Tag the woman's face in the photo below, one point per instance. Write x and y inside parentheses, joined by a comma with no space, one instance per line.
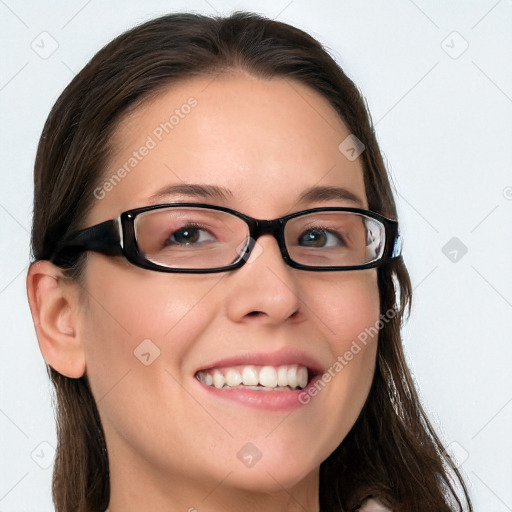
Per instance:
(146,334)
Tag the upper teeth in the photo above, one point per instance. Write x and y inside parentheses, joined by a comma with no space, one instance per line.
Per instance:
(292,376)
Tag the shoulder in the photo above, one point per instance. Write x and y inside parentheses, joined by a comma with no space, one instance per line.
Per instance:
(373,505)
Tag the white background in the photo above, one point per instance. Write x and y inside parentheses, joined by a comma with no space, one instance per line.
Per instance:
(444,122)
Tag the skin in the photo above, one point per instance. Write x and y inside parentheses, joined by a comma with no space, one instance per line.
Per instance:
(170,446)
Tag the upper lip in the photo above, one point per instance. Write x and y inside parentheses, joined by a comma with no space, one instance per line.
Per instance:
(277,358)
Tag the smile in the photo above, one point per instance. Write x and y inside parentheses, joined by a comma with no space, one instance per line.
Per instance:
(267,380)
(262,378)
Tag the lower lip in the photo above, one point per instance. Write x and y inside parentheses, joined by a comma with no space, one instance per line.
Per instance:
(268,400)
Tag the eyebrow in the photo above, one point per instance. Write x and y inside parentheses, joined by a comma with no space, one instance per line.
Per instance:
(194,190)
(327,193)
(318,193)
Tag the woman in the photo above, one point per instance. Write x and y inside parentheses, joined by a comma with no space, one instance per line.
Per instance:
(205,358)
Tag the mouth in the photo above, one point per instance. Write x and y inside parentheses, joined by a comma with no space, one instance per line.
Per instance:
(288,377)
(272,381)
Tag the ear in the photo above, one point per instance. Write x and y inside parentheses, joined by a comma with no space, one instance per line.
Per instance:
(53,301)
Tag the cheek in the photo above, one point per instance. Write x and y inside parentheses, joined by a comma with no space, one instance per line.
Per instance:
(135,318)
(352,317)
(347,308)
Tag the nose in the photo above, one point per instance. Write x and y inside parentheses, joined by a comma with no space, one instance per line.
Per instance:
(265,287)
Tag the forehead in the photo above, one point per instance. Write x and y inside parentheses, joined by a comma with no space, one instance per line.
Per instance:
(265,141)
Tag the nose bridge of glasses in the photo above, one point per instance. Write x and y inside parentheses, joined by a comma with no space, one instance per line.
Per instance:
(266,227)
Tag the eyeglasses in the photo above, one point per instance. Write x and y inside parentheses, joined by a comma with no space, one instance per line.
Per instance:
(202,238)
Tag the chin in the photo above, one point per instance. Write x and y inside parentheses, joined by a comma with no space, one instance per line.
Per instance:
(278,465)
(269,478)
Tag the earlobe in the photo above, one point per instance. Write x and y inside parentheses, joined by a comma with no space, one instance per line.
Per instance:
(53,302)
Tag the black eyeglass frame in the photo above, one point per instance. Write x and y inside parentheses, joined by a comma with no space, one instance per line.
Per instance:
(117,237)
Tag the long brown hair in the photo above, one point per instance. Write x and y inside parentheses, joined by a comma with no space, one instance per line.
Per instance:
(392,451)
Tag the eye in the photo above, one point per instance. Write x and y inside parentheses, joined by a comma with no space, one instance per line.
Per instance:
(321,237)
(189,235)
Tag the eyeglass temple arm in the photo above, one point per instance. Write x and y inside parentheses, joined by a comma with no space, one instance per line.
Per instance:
(397,246)
(104,238)
(395,249)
